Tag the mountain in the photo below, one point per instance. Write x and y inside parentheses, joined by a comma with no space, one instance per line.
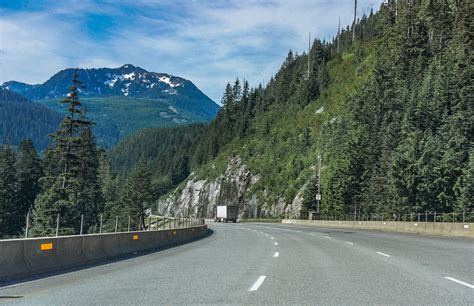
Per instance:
(390,113)
(21,119)
(125,99)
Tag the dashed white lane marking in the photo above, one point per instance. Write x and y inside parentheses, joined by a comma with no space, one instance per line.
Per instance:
(349,243)
(276,243)
(460,282)
(272,238)
(267,235)
(258,283)
(383,254)
(276,254)
(299,231)
(312,234)
(328,237)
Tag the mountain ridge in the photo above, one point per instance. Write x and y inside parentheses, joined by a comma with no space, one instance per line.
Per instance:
(126,81)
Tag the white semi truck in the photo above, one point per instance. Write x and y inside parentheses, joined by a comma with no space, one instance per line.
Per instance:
(226,213)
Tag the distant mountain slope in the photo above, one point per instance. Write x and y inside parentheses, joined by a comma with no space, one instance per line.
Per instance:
(125,99)
(20,119)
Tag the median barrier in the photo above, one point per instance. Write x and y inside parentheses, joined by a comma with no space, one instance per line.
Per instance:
(20,258)
(423,228)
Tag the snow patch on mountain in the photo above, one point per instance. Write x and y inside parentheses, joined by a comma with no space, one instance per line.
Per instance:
(167,80)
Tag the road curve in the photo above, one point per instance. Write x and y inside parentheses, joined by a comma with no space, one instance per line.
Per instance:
(254,263)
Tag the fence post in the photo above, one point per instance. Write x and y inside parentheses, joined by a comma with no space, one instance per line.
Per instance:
(101,220)
(434,217)
(463,216)
(443,218)
(426,216)
(382,217)
(453,217)
(57,226)
(129,221)
(418,217)
(27,224)
(82,222)
(116,223)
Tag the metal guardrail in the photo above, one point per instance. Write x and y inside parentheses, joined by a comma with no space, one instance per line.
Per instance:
(115,225)
(452,217)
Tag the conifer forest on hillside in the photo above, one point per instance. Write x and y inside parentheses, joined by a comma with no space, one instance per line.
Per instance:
(387,105)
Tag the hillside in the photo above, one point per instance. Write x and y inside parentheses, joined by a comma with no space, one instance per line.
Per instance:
(21,119)
(125,99)
(390,114)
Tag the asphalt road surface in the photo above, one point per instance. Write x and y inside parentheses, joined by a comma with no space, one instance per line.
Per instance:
(262,264)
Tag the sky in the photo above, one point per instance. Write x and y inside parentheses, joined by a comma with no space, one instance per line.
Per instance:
(208,42)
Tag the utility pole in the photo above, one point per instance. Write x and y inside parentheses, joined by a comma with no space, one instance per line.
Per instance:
(318,195)
(354,24)
(309,57)
(339,36)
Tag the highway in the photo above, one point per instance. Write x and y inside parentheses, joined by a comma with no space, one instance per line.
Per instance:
(261,264)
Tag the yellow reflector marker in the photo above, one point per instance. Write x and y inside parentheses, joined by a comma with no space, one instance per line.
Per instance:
(135,237)
(46,246)
(174,232)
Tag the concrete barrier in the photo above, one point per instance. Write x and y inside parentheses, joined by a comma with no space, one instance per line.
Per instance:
(20,258)
(422,228)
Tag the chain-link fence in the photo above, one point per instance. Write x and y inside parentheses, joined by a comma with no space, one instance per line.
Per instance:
(453,217)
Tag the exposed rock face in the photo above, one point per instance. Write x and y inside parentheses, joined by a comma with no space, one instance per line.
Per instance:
(199,197)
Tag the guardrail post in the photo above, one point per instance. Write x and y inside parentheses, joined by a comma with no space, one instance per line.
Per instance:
(27,224)
(101,220)
(463,216)
(82,221)
(129,221)
(453,217)
(418,217)
(116,223)
(434,217)
(426,216)
(57,226)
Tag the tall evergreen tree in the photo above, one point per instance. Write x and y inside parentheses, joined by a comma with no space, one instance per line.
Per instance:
(138,194)
(28,173)
(70,181)
(10,218)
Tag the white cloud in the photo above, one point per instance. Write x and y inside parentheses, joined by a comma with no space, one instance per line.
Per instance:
(209,43)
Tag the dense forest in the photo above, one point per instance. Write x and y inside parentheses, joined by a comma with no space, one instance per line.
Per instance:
(389,109)
(21,119)
(387,104)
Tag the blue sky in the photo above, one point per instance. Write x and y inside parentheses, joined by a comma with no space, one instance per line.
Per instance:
(208,42)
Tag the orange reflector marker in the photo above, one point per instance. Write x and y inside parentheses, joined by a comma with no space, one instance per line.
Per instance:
(46,246)
(135,237)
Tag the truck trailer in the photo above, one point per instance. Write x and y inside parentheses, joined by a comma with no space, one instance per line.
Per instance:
(226,213)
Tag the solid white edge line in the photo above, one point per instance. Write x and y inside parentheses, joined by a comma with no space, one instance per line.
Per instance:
(459,282)
(383,254)
(276,254)
(258,283)
(351,243)
(328,237)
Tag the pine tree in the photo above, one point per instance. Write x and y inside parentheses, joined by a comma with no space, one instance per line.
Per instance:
(69,186)
(138,194)
(28,173)
(10,217)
